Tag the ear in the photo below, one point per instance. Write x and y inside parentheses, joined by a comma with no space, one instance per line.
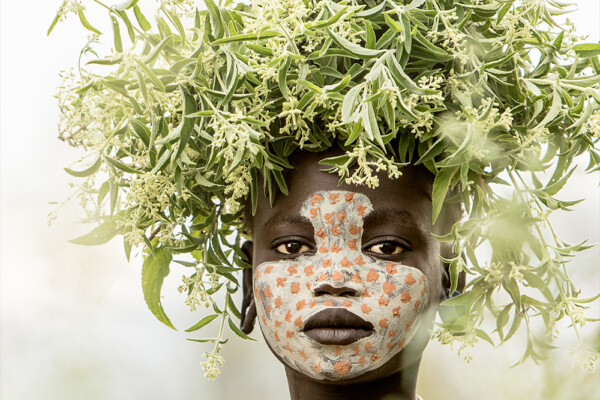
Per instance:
(248,307)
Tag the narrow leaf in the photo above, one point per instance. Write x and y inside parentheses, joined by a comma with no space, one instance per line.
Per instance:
(440,188)
(204,321)
(85,22)
(154,271)
(141,19)
(88,171)
(99,235)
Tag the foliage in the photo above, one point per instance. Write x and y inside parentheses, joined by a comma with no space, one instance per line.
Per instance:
(180,119)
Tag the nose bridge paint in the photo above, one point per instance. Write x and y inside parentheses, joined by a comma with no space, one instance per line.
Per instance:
(338,218)
(389,295)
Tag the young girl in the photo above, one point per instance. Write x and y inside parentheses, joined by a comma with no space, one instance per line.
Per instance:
(346,281)
(332,145)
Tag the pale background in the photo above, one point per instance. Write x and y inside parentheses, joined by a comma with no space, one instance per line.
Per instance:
(73,321)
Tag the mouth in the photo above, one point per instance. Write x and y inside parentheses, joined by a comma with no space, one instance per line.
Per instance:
(337,326)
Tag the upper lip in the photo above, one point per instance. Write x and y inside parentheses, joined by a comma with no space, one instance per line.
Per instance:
(336,318)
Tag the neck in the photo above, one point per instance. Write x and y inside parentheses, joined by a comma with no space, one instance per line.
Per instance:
(400,385)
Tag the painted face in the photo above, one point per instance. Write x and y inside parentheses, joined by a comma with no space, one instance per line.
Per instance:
(338,313)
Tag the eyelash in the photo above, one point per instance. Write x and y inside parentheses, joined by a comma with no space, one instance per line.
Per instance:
(300,241)
(403,247)
(382,241)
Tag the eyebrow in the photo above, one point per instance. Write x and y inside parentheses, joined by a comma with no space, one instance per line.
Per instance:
(385,214)
(285,218)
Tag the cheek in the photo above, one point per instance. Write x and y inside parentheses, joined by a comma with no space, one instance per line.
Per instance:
(281,292)
(394,300)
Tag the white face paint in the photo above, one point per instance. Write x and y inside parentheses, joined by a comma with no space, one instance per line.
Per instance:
(388,296)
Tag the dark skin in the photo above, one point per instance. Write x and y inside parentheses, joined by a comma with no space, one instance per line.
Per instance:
(399,230)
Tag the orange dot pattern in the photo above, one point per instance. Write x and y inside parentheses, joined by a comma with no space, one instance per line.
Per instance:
(390,295)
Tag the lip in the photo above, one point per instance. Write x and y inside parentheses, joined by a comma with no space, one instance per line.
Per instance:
(336,326)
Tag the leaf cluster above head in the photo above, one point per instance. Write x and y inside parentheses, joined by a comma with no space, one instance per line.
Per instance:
(185,114)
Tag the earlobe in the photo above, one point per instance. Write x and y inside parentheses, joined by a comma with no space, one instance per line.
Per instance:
(248,307)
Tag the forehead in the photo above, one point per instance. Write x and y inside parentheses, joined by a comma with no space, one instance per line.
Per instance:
(408,196)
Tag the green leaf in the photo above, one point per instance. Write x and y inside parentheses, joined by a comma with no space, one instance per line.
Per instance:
(238,331)
(511,286)
(587,50)
(348,106)
(148,72)
(263,51)
(246,37)
(404,80)
(141,19)
(482,335)
(85,22)
(502,320)
(187,125)
(283,73)
(202,181)
(232,307)
(440,188)
(141,130)
(53,24)
(353,48)
(154,271)
(99,235)
(280,181)
(391,23)
(370,123)
(515,324)
(117,35)
(156,50)
(130,30)
(554,109)
(112,60)
(88,171)
(323,24)
(216,21)
(120,165)
(204,321)
(533,302)
(310,86)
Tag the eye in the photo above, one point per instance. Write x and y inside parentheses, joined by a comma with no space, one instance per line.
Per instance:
(293,247)
(388,248)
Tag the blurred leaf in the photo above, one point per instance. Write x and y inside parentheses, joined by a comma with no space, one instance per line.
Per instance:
(88,171)
(117,35)
(85,22)
(587,50)
(154,271)
(99,235)
(440,188)
(141,19)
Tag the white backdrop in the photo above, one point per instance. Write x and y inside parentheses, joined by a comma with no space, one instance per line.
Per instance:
(73,321)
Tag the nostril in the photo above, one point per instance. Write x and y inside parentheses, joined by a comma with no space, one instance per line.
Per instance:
(335,291)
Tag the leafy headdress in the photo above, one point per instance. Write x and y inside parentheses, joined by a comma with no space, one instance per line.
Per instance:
(494,97)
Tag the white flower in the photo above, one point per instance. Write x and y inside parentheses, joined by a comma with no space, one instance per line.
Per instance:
(211,365)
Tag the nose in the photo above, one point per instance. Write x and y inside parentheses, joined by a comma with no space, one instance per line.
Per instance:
(326,288)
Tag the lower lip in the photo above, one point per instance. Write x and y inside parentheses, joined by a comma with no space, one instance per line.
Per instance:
(337,336)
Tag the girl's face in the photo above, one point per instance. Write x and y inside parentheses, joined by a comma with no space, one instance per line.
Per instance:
(333,310)
(344,276)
